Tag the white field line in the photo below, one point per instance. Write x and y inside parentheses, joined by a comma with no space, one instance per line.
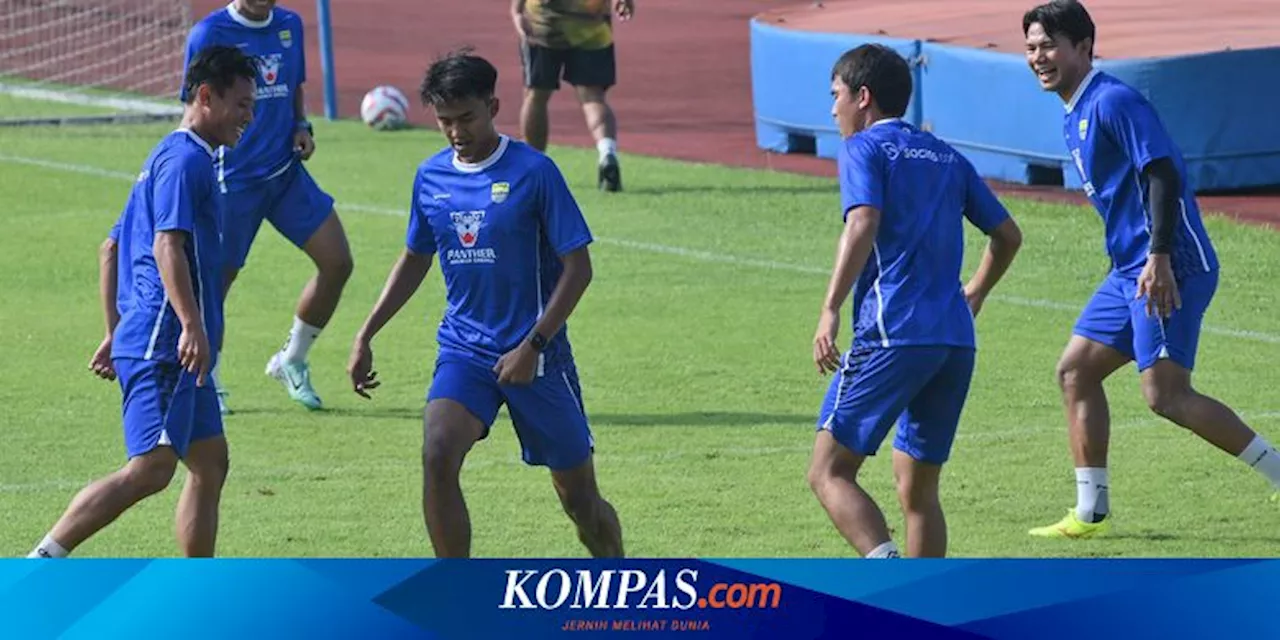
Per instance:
(153,107)
(410,462)
(692,254)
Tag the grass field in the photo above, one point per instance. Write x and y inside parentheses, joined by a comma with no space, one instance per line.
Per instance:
(694,351)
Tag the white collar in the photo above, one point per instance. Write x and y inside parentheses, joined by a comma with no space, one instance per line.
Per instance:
(885,121)
(475,167)
(1084,84)
(252,24)
(204,144)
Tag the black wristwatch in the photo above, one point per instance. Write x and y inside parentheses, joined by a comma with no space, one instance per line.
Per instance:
(305,125)
(539,343)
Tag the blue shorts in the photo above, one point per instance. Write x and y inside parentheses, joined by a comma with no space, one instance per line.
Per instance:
(292,201)
(1115,318)
(164,407)
(923,389)
(548,413)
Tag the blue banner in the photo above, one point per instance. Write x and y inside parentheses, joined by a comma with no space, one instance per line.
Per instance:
(790,599)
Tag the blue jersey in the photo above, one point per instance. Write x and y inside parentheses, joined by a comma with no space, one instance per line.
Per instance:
(1113,133)
(909,292)
(499,228)
(266,149)
(174,192)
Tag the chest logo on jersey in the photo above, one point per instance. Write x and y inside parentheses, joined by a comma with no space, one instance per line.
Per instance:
(286,38)
(467,224)
(269,67)
(890,150)
(499,192)
(1084,128)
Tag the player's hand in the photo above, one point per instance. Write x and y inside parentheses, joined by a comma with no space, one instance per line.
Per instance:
(100,363)
(975,299)
(825,354)
(624,8)
(1158,286)
(518,365)
(360,368)
(304,144)
(194,353)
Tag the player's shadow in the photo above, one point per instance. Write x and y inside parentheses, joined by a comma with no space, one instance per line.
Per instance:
(761,189)
(698,419)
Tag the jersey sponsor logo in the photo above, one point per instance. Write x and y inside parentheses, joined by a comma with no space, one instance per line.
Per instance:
(467,224)
(269,67)
(893,152)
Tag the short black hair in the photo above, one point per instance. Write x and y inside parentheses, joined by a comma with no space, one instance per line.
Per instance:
(219,66)
(1065,17)
(458,75)
(882,71)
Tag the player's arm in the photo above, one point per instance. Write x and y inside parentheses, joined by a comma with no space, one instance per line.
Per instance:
(574,279)
(862,174)
(100,361)
(519,19)
(985,212)
(182,184)
(304,141)
(1134,125)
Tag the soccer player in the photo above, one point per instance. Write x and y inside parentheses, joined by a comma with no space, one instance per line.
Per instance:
(573,38)
(513,248)
(1164,270)
(264,179)
(904,198)
(165,319)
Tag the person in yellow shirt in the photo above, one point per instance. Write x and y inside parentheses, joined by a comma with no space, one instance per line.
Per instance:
(572,39)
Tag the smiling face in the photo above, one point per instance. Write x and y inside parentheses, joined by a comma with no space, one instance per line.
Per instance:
(1058,65)
(228,114)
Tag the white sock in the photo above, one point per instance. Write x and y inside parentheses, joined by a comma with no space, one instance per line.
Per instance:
(48,548)
(1263,458)
(886,550)
(301,337)
(1092,503)
(607,147)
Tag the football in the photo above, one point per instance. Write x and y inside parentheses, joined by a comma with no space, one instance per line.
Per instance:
(384,108)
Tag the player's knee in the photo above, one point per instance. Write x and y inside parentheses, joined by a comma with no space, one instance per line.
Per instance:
(582,506)
(915,496)
(536,96)
(441,457)
(1073,375)
(148,475)
(338,268)
(1165,400)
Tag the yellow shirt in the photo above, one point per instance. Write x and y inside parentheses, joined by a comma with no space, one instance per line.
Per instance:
(570,24)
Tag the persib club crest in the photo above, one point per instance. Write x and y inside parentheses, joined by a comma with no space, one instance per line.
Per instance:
(498,193)
(467,224)
(286,38)
(269,67)
(1084,128)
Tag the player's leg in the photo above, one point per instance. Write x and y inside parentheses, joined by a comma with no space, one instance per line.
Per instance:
(551,423)
(157,415)
(592,73)
(872,388)
(541,79)
(1166,357)
(461,405)
(1102,343)
(923,445)
(207,463)
(304,214)
(243,212)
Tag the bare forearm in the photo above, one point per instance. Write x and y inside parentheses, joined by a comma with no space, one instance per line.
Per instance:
(517,6)
(1005,242)
(855,248)
(171,260)
(107,285)
(405,278)
(569,289)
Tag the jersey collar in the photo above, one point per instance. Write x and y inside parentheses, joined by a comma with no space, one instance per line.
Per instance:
(252,24)
(483,164)
(1084,84)
(198,140)
(885,121)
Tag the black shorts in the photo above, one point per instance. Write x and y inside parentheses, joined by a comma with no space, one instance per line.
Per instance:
(581,67)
